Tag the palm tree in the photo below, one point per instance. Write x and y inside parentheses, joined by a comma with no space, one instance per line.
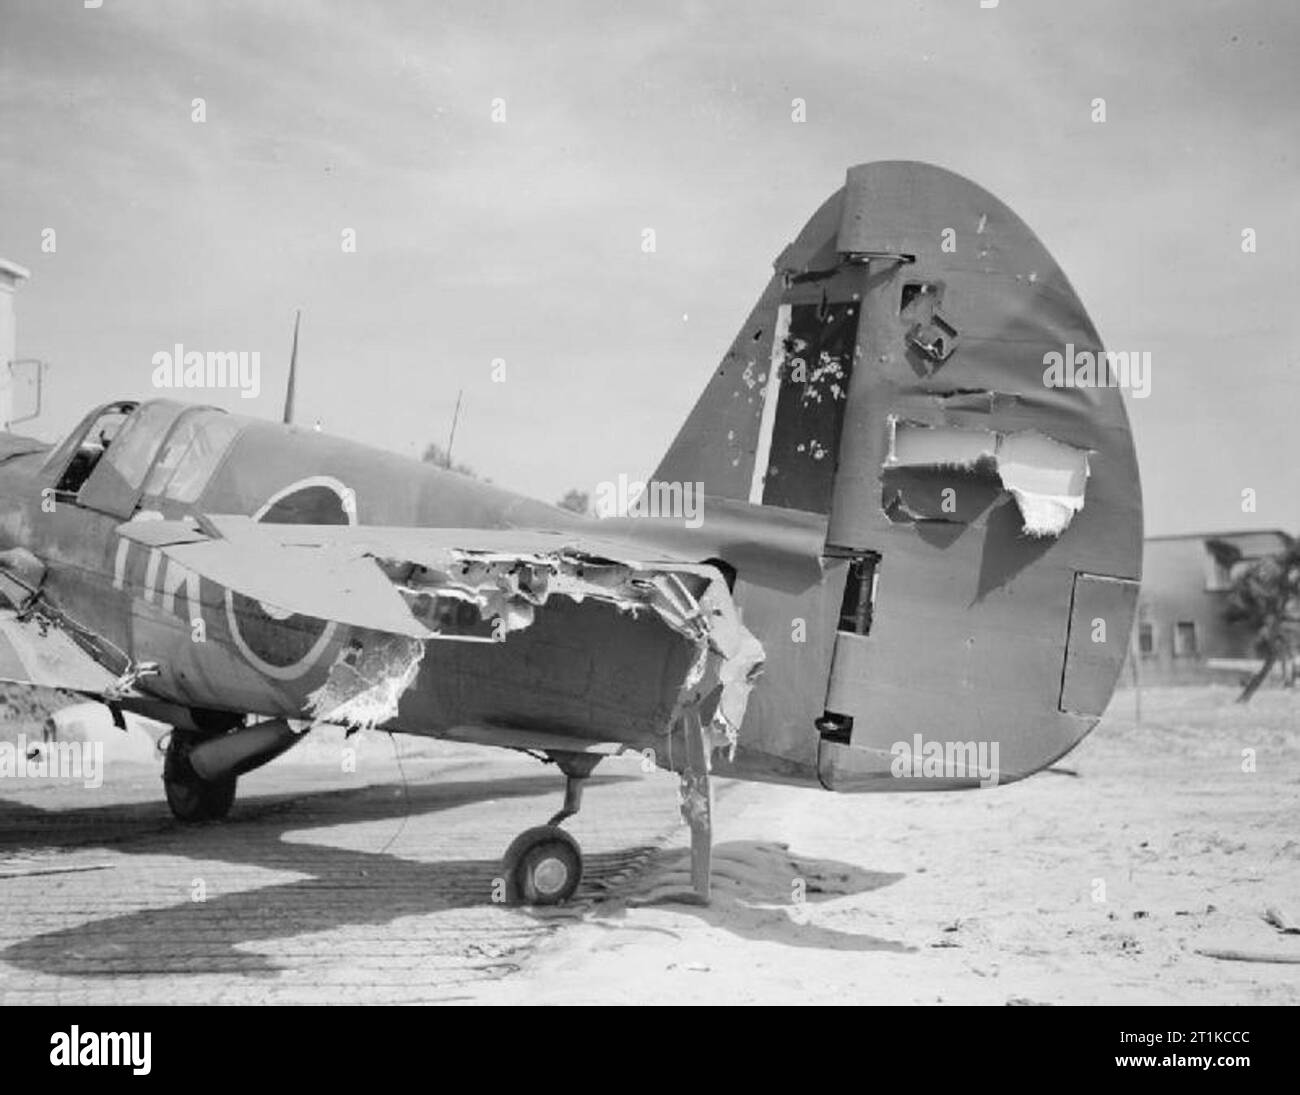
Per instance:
(579,501)
(1265,597)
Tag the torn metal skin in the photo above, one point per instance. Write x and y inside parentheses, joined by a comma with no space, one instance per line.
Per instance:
(479,596)
(366,681)
(1045,477)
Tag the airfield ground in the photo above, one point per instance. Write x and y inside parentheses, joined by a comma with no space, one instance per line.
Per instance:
(1100,883)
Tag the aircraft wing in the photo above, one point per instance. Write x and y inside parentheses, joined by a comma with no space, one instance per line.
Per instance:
(373,577)
(319,580)
(418,585)
(436,546)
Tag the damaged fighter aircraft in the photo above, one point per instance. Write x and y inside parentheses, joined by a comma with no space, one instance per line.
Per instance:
(905,532)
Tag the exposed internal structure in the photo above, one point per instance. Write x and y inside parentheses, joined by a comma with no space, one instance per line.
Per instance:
(401,591)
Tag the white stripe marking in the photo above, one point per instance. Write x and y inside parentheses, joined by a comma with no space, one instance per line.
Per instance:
(766,426)
(151,574)
(119,564)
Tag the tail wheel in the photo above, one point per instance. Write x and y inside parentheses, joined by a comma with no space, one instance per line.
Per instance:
(190,798)
(543,866)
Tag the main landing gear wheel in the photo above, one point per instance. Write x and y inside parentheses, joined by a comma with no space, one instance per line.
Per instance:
(543,866)
(191,798)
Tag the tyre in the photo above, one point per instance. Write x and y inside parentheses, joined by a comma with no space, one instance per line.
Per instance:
(190,798)
(543,866)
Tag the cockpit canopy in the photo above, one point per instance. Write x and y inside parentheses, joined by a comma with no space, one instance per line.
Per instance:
(124,451)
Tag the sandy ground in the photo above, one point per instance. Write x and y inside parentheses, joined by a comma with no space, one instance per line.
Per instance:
(1094,887)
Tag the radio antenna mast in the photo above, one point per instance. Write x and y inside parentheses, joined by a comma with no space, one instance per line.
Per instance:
(451,440)
(293,371)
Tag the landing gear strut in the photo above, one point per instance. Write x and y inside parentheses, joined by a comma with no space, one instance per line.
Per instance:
(697,803)
(543,865)
(190,797)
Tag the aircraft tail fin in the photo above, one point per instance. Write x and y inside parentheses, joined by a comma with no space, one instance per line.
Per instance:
(919,375)
(906,328)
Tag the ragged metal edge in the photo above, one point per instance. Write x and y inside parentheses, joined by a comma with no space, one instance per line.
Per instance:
(367,680)
(1047,478)
(365,684)
(693,797)
(741,662)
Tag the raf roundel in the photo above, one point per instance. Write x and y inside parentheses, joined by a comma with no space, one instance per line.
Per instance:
(286,646)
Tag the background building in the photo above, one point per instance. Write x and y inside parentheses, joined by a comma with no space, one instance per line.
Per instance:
(1180,635)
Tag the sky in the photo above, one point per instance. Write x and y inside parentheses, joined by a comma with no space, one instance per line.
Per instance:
(481,240)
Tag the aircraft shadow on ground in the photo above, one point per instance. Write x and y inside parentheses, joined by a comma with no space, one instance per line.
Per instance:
(346,887)
(350,887)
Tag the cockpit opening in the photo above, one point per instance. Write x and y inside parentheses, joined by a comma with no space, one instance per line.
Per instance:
(124,451)
(95,440)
